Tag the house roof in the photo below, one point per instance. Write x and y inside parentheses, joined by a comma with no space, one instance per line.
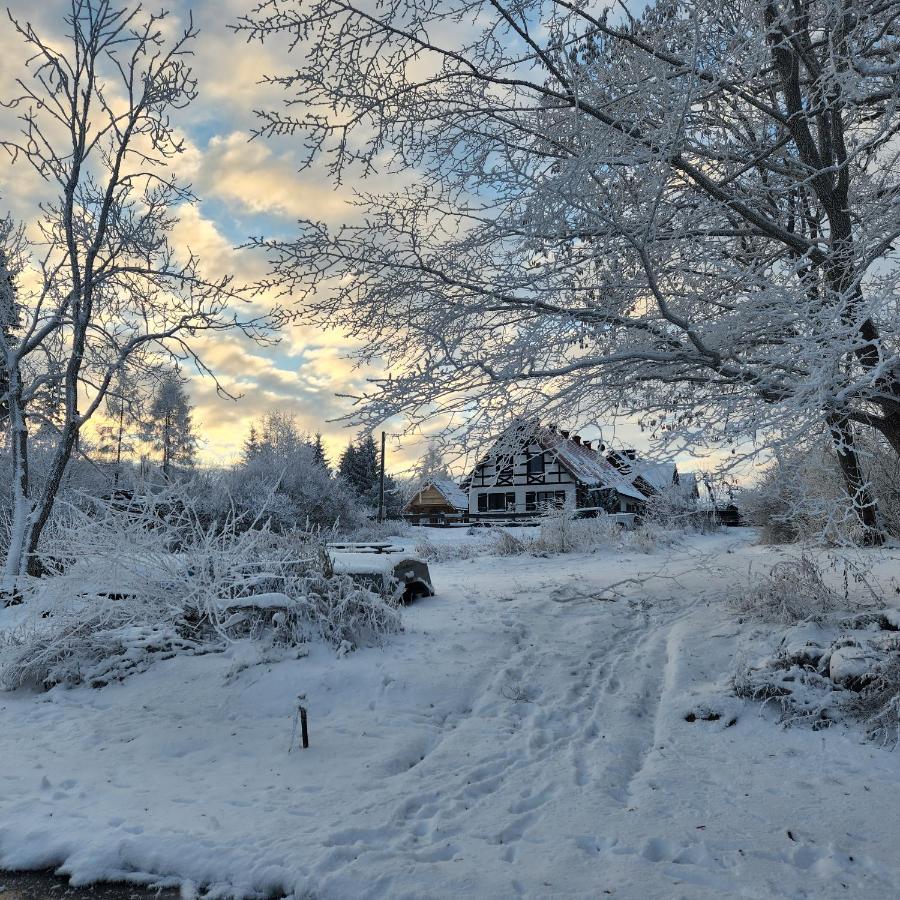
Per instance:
(657,474)
(585,464)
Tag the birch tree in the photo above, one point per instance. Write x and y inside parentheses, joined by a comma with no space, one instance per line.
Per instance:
(100,286)
(688,218)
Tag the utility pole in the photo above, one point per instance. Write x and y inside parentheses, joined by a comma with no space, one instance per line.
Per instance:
(381,483)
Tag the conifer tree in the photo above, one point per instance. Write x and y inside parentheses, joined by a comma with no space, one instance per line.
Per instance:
(366,468)
(251,447)
(319,454)
(170,428)
(347,464)
(117,436)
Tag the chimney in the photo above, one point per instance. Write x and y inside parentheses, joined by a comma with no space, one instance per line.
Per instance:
(564,433)
(587,444)
(631,453)
(577,439)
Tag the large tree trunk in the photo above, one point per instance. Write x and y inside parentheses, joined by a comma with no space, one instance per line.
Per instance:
(889,426)
(864,503)
(44,507)
(14,566)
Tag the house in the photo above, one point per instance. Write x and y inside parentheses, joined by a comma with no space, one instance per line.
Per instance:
(531,468)
(437,502)
(652,478)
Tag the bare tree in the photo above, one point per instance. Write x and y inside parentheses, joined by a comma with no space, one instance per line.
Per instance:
(689,217)
(99,286)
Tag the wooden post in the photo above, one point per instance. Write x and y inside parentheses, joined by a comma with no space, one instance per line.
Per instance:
(381,483)
(304,732)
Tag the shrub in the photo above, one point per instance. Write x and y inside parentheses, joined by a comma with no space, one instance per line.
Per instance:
(877,705)
(802,497)
(561,532)
(149,579)
(793,591)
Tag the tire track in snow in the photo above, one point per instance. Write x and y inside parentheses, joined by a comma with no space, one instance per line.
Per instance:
(573,703)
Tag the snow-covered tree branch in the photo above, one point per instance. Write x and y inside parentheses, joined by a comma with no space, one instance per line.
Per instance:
(689,217)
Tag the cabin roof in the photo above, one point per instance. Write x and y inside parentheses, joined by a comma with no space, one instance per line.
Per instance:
(448,489)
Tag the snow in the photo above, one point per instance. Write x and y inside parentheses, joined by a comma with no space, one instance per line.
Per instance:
(272,600)
(351,563)
(452,492)
(586,464)
(525,737)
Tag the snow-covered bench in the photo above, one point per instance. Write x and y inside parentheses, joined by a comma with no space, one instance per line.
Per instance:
(383,567)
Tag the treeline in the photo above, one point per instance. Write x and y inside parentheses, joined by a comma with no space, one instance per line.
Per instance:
(286,472)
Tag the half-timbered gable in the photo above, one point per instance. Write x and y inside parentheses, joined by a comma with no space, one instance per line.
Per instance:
(530,470)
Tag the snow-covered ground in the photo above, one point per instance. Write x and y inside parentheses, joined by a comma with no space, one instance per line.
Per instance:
(524,737)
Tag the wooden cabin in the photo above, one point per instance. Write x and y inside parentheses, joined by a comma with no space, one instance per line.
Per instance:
(439,501)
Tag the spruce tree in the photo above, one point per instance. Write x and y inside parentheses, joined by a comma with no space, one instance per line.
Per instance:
(117,436)
(251,448)
(366,469)
(347,465)
(170,428)
(319,452)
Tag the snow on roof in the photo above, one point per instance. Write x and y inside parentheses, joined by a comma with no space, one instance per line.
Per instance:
(657,474)
(451,492)
(587,465)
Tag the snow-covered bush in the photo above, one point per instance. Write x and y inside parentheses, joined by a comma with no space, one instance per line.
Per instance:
(877,705)
(95,640)
(650,537)
(674,509)
(429,551)
(802,495)
(371,531)
(284,472)
(504,543)
(848,672)
(561,532)
(147,577)
(793,590)
(333,607)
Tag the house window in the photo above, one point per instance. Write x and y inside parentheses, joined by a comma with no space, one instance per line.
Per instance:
(539,500)
(536,463)
(497,502)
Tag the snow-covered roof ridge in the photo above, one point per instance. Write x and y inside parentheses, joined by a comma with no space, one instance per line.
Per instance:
(450,491)
(586,464)
(658,475)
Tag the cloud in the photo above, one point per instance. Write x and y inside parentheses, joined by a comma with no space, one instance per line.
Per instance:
(250,176)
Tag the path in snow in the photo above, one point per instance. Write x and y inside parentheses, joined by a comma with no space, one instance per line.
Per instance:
(524,738)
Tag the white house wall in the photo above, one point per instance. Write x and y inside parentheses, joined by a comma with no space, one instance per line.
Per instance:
(486,480)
